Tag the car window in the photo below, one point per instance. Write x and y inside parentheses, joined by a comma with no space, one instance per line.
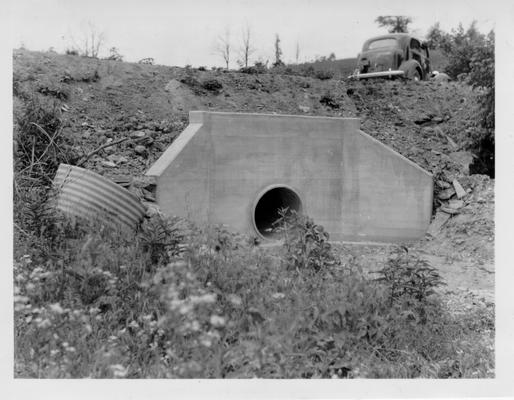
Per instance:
(415,45)
(379,43)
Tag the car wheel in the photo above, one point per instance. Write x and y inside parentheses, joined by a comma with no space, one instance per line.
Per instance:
(413,73)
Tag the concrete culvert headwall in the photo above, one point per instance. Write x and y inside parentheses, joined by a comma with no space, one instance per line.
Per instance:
(268,205)
(240,169)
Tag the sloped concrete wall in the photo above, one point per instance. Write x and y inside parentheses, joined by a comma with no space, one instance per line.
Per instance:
(356,187)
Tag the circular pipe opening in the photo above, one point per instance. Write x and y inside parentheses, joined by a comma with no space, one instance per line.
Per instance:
(268,205)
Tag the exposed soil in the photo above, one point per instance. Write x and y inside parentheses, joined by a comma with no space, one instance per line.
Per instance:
(431,123)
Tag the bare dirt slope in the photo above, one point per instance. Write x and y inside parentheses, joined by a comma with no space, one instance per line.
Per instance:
(428,122)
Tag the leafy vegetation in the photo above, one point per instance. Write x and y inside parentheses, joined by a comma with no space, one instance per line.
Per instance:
(470,56)
(394,23)
(173,301)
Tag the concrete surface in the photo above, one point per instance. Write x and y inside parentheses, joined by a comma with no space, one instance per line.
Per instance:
(222,166)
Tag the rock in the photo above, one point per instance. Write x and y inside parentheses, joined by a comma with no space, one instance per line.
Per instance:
(110,164)
(147,195)
(459,190)
(441,77)
(122,180)
(439,220)
(140,149)
(137,134)
(172,85)
(446,193)
(449,210)
(464,158)
(455,204)
(116,158)
(443,184)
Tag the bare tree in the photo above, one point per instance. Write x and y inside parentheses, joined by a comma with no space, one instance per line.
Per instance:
(223,47)
(246,49)
(91,41)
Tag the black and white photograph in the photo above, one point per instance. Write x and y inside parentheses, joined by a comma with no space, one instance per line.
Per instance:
(228,190)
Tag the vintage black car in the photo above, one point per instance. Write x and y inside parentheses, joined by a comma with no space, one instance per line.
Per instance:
(395,54)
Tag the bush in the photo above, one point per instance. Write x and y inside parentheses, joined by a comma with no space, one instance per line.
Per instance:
(40,145)
(175,302)
(324,74)
(471,59)
(147,61)
(305,243)
(212,85)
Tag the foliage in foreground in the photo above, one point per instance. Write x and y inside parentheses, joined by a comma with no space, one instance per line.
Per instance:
(175,302)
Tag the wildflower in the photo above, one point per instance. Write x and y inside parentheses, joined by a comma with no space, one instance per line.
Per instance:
(88,328)
(54,352)
(278,296)
(217,321)
(195,325)
(71,349)
(56,308)
(185,308)
(235,300)
(44,323)
(30,287)
(118,370)
(133,324)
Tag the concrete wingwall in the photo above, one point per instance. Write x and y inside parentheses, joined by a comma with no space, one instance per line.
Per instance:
(356,187)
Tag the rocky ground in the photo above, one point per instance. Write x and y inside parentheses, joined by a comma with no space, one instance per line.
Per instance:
(144,107)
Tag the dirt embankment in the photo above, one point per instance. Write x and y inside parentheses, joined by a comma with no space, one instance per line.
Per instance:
(430,123)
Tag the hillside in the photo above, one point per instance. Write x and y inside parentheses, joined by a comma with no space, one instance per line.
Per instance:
(101,101)
(89,103)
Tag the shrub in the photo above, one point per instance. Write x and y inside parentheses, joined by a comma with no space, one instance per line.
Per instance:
(305,243)
(41,147)
(148,61)
(329,100)
(212,85)
(210,304)
(114,54)
(324,74)
(471,59)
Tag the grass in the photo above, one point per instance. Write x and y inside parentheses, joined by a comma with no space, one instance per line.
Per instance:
(91,301)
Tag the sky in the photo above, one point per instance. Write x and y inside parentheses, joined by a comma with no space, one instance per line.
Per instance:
(181,32)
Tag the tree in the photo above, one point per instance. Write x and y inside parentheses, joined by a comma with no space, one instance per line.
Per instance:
(394,23)
(114,54)
(278,52)
(436,38)
(246,49)
(223,47)
(90,42)
(297,54)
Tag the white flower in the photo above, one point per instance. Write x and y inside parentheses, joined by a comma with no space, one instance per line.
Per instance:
(56,308)
(235,299)
(133,324)
(278,295)
(44,324)
(217,321)
(118,370)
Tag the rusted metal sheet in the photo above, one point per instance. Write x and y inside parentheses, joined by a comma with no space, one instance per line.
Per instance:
(86,194)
